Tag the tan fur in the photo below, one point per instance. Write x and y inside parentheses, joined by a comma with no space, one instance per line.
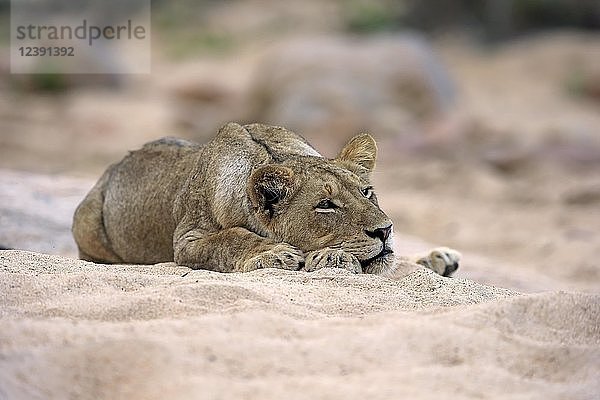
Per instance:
(256,196)
(442,260)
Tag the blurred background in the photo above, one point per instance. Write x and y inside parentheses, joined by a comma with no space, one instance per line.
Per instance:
(487,115)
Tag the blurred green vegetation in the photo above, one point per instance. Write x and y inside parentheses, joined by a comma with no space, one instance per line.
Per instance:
(488,19)
(52,82)
(182,43)
(364,16)
(182,28)
(4,24)
(583,84)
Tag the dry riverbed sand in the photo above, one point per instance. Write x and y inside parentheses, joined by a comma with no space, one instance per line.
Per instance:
(73,329)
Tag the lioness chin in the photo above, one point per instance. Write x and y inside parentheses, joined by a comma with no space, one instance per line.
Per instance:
(255,196)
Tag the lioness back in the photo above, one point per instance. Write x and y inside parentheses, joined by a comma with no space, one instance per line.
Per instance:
(136,211)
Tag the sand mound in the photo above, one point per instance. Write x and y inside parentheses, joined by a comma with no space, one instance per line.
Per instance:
(72,329)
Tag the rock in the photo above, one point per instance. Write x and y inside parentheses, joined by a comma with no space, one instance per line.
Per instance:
(389,85)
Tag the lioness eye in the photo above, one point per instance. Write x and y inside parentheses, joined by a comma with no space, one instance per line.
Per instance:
(367,192)
(326,205)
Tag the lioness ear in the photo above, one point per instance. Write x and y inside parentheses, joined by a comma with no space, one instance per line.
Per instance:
(361,150)
(269,185)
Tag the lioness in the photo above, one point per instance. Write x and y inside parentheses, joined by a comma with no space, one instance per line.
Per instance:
(256,196)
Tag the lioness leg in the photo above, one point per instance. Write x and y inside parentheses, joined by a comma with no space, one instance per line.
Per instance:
(442,260)
(88,227)
(234,250)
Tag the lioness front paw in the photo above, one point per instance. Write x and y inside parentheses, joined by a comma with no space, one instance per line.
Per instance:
(281,255)
(331,258)
(442,260)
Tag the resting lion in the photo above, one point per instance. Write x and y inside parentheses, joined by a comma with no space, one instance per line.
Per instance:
(256,196)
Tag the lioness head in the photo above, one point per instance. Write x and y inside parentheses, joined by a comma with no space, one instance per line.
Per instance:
(313,203)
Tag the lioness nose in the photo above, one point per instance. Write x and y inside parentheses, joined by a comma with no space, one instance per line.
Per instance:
(382,233)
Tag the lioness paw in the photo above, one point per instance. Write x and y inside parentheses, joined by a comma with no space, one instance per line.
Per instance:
(332,258)
(442,260)
(281,255)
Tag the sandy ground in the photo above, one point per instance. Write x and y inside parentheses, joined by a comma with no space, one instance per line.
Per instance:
(72,329)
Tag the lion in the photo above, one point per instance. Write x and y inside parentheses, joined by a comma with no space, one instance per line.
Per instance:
(255,196)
